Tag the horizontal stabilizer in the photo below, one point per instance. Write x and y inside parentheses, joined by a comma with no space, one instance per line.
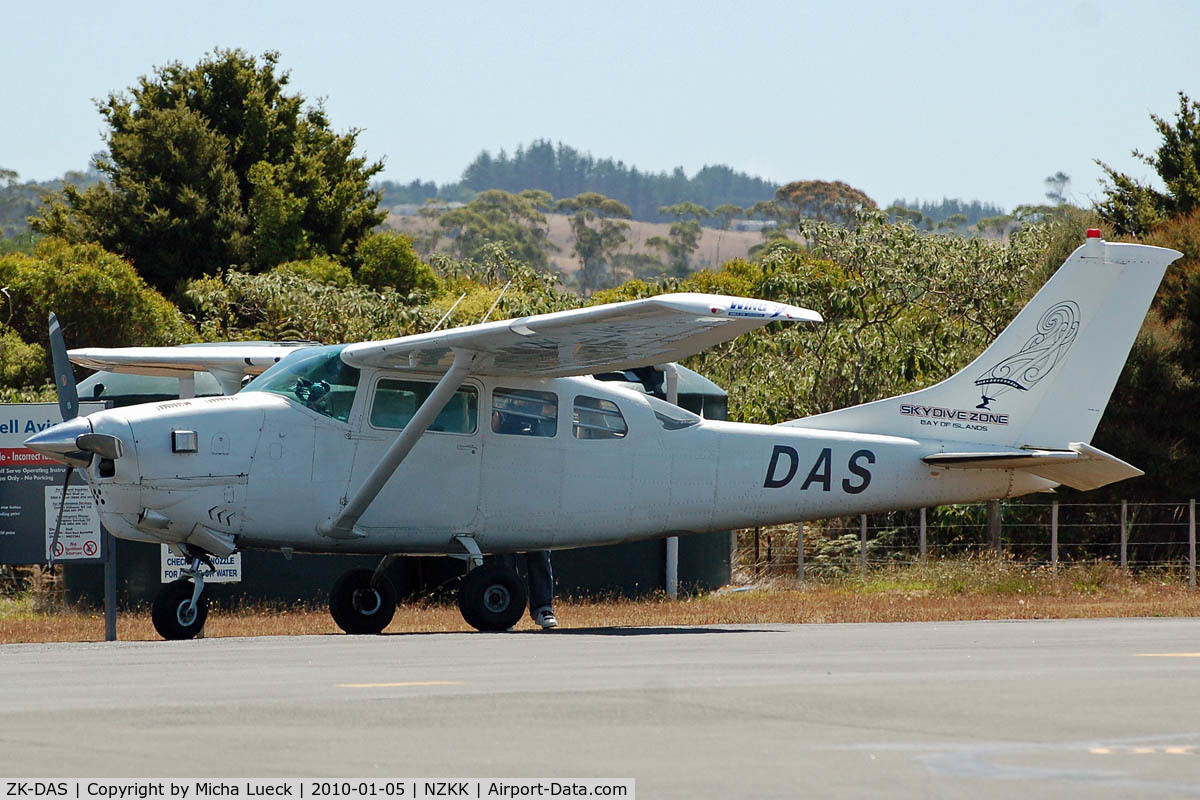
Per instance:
(1081,467)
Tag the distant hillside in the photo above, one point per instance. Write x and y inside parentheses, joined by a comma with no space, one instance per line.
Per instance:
(18,200)
(565,172)
(716,246)
(948,207)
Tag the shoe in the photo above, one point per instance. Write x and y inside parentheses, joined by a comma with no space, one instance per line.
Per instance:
(544,616)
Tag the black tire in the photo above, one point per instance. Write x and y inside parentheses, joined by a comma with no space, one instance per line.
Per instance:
(492,597)
(359,608)
(171,609)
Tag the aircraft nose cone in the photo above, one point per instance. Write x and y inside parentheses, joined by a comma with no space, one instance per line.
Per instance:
(58,442)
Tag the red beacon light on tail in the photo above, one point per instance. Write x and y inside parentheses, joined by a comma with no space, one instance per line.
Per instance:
(1093,245)
(1093,233)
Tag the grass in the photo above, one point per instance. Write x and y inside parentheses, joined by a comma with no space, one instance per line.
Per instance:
(967,589)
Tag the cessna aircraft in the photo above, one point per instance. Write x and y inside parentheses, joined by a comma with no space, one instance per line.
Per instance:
(492,439)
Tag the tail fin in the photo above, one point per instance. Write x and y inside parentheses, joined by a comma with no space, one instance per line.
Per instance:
(1045,380)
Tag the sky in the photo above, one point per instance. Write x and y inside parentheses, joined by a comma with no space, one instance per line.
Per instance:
(920,100)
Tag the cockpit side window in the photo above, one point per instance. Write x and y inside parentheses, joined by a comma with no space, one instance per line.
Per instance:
(672,417)
(524,412)
(396,401)
(594,418)
(316,378)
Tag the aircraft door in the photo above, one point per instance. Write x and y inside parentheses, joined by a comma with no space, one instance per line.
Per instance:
(523,466)
(598,479)
(436,488)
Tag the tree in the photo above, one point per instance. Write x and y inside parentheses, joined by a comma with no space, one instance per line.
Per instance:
(725,213)
(913,216)
(903,310)
(498,216)
(1056,187)
(683,237)
(388,260)
(216,165)
(953,222)
(17,202)
(599,233)
(824,201)
(99,298)
(997,225)
(1133,208)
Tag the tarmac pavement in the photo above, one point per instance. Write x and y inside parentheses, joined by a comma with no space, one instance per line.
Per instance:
(1046,709)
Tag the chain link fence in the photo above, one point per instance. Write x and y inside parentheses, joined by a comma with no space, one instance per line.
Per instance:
(1131,535)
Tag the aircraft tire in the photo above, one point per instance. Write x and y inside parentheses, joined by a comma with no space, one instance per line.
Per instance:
(170,615)
(359,608)
(492,597)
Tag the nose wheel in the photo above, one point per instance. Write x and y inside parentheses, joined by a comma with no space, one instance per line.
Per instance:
(492,597)
(362,602)
(180,609)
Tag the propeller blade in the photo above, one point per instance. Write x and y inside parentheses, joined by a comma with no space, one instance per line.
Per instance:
(62,505)
(64,378)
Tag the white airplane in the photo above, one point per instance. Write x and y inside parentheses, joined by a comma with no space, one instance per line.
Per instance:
(487,439)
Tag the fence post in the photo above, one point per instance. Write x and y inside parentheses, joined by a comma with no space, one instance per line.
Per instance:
(1192,543)
(924,552)
(993,524)
(1054,536)
(1124,534)
(757,566)
(862,544)
(671,572)
(800,551)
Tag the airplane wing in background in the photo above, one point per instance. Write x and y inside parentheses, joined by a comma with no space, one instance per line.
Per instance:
(583,341)
(228,363)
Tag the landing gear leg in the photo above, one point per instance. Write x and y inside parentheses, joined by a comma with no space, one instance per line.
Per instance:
(180,609)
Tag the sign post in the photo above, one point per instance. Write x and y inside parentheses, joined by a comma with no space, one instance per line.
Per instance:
(31,492)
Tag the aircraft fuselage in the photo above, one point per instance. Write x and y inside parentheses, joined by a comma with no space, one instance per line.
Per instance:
(518,465)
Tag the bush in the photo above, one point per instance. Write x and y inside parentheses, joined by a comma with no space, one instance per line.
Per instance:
(22,365)
(321,269)
(388,261)
(279,306)
(98,297)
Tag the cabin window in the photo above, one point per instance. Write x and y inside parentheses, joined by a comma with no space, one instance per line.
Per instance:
(396,402)
(317,378)
(594,418)
(524,412)
(671,417)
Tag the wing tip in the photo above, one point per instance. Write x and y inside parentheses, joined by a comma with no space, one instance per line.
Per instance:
(730,306)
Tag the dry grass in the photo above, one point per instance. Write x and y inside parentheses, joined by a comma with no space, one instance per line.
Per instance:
(958,590)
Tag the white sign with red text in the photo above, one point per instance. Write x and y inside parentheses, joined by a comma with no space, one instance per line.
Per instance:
(79,535)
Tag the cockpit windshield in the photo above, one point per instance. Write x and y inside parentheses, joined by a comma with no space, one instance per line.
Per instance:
(316,378)
(671,417)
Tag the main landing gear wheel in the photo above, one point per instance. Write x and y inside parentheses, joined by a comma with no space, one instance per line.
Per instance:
(357,606)
(492,597)
(174,614)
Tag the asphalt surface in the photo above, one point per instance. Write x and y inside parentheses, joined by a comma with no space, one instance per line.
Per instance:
(1079,708)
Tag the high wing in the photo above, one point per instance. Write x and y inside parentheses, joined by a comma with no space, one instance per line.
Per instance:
(582,341)
(228,363)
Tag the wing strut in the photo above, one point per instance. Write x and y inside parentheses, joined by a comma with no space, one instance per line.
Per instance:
(342,526)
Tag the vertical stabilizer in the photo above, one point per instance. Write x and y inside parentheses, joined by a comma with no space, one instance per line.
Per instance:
(1047,378)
